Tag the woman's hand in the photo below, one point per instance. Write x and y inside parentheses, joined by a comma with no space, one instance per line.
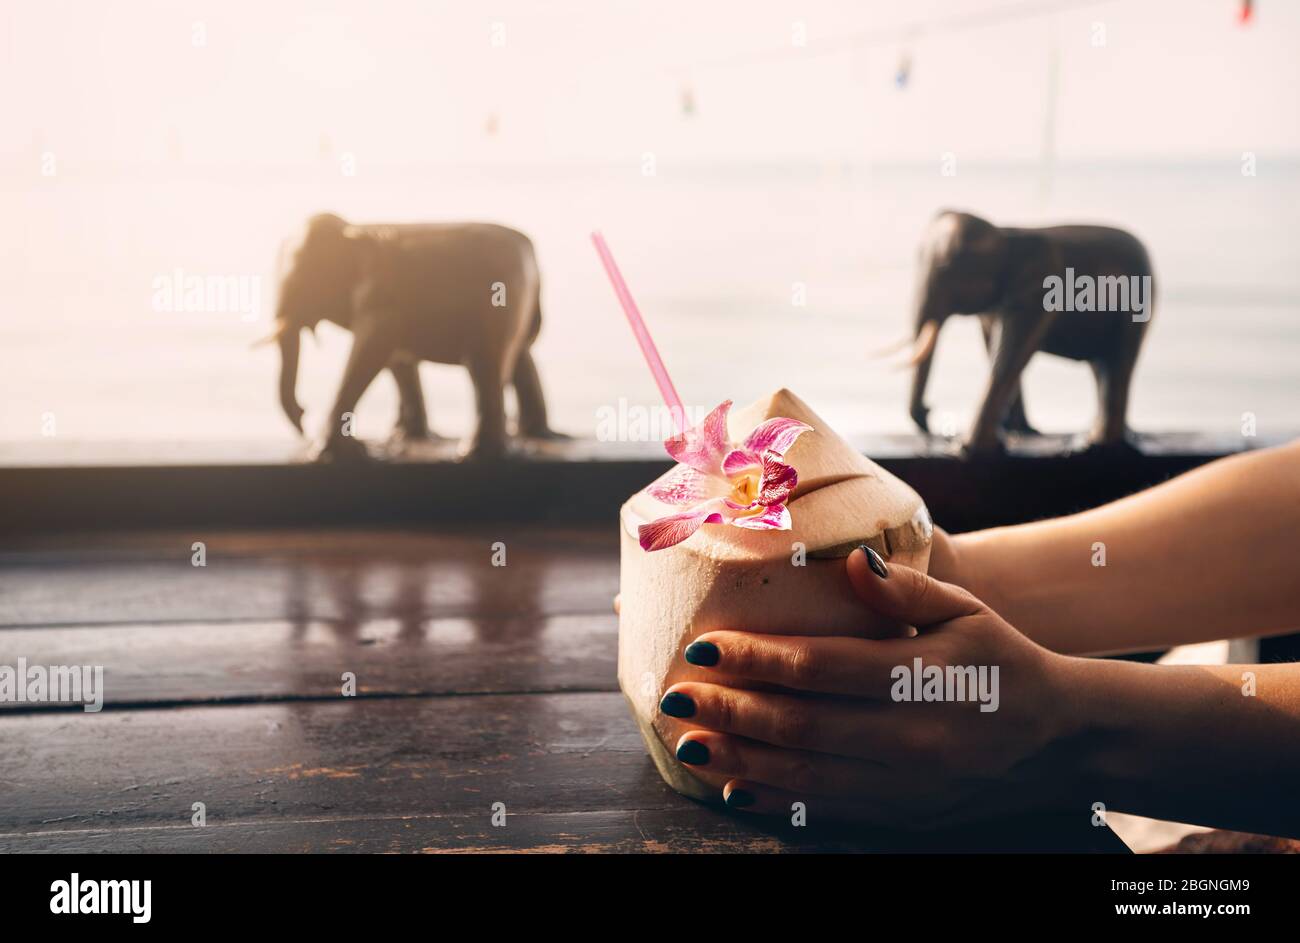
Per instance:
(850,728)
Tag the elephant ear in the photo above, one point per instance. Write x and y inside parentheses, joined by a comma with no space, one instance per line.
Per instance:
(968,257)
(979,238)
(1031,257)
(965,241)
(378,261)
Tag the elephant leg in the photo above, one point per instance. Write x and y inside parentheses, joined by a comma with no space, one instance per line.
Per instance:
(1016,338)
(1102,373)
(412,421)
(488,378)
(532,402)
(371,351)
(1015,419)
(1114,375)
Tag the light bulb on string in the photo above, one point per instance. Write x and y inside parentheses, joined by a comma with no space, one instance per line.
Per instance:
(904,71)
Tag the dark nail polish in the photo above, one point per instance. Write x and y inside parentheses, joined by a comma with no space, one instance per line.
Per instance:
(693,753)
(740,799)
(675,704)
(704,654)
(876,563)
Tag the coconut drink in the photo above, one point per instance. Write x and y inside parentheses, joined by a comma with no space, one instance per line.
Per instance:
(749,531)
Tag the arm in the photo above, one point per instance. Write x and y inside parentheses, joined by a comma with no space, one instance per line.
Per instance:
(1200,745)
(1207,555)
(1190,744)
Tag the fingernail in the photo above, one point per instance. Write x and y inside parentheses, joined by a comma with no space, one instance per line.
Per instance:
(704,654)
(693,752)
(675,704)
(876,563)
(740,799)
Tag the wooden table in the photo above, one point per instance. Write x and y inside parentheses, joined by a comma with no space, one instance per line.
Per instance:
(475,685)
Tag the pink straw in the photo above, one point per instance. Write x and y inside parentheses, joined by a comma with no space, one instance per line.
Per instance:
(648,349)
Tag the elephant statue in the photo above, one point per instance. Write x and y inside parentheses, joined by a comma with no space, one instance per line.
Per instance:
(1081,292)
(459,293)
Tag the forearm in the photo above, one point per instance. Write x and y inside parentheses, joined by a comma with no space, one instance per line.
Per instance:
(1189,744)
(1210,554)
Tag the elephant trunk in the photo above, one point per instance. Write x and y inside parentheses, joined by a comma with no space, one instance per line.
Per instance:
(927,336)
(288,338)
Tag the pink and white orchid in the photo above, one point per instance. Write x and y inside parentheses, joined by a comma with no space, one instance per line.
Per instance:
(745,486)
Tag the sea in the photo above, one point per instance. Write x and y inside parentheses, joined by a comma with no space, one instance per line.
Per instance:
(750,277)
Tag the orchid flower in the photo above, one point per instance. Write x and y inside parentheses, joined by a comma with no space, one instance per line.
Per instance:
(719,483)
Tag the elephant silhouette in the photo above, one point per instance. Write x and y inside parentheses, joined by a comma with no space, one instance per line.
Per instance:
(454,293)
(1085,293)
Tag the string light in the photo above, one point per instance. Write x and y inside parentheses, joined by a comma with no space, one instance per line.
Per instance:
(865,39)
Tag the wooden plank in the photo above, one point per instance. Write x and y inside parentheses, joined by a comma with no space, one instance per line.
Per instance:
(685,828)
(392,494)
(404,774)
(306,576)
(301,760)
(690,828)
(62,453)
(205,662)
(441,543)
(581,481)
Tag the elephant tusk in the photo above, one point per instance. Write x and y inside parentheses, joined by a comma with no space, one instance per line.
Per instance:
(925,341)
(890,349)
(281,328)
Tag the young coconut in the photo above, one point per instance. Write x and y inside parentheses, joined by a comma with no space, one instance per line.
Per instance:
(749,531)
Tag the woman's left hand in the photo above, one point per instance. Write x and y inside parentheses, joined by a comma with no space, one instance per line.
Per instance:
(861,735)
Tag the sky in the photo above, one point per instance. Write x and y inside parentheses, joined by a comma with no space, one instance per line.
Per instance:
(248,83)
(145,137)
